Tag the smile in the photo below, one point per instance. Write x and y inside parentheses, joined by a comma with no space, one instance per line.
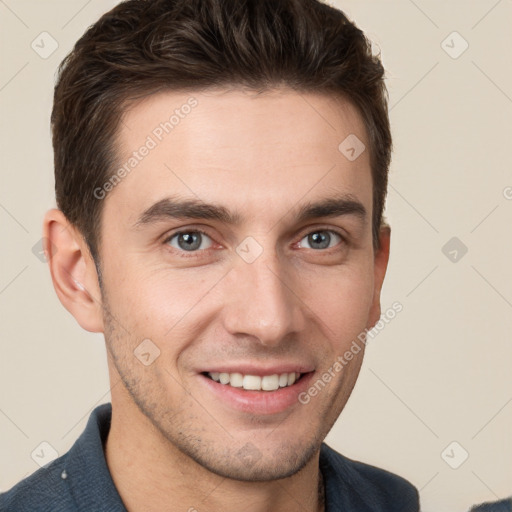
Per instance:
(255,382)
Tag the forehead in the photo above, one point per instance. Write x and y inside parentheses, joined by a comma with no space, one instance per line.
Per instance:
(242,149)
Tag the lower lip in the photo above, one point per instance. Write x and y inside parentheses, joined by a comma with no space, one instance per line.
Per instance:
(258,402)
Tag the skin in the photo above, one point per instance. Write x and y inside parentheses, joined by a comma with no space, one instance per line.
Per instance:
(174,445)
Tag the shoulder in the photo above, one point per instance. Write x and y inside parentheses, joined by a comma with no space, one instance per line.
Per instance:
(495,506)
(353,485)
(79,476)
(42,491)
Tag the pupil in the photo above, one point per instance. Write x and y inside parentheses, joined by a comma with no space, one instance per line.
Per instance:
(321,239)
(189,241)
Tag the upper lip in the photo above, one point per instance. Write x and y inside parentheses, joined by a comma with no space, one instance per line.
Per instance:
(259,370)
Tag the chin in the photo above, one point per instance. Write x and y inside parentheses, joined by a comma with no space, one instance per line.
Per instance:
(250,463)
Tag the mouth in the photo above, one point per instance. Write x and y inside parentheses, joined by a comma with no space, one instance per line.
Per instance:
(256,382)
(269,394)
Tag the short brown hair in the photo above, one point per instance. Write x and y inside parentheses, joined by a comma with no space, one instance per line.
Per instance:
(145,46)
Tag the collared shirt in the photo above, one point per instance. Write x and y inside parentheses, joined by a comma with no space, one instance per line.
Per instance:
(79,481)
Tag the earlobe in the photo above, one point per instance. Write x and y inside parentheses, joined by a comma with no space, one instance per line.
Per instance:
(73,271)
(380,267)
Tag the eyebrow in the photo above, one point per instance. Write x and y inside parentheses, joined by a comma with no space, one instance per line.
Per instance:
(175,208)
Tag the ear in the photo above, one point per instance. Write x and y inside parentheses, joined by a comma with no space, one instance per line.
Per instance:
(380,266)
(73,271)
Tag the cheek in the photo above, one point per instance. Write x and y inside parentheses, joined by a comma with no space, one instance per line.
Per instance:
(342,300)
(158,302)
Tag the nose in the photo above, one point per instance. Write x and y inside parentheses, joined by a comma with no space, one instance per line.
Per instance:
(261,302)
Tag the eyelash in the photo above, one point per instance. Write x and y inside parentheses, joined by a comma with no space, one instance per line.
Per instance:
(195,254)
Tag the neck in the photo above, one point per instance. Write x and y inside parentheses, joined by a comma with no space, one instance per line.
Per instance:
(150,473)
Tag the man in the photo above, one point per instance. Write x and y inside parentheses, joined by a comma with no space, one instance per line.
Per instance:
(221,172)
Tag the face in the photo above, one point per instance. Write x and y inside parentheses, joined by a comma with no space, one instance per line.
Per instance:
(238,247)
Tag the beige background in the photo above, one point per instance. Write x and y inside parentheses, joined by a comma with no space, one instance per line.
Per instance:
(439,372)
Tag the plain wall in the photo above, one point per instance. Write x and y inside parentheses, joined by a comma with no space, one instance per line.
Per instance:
(438,373)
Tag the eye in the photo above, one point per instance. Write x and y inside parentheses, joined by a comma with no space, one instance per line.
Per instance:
(322,239)
(189,241)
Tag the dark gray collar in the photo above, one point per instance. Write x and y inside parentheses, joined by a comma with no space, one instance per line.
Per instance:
(350,486)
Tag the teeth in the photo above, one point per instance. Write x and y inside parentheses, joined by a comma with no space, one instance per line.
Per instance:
(236,380)
(254,382)
(270,382)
